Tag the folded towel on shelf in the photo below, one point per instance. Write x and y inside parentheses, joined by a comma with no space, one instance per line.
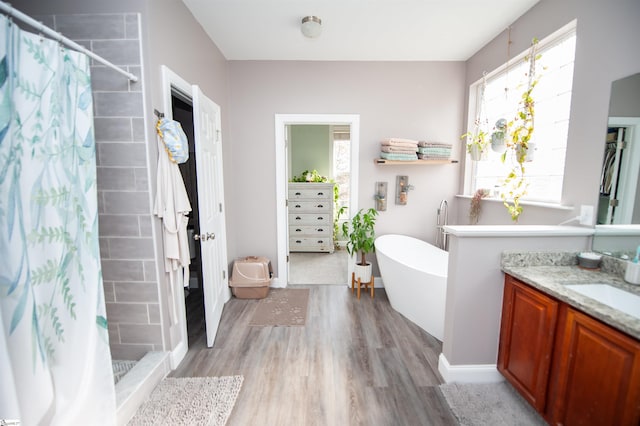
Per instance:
(399,142)
(398,157)
(429,149)
(434,144)
(433,157)
(399,149)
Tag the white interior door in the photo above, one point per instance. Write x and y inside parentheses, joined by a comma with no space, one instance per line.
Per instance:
(206,119)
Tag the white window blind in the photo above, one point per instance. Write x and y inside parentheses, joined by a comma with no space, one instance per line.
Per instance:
(552,95)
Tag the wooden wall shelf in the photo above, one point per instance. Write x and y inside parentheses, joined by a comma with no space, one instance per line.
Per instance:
(383,162)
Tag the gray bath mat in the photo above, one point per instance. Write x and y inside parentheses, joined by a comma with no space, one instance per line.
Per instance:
(201,401)
(495,404)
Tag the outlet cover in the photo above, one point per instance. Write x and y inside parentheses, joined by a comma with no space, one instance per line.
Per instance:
(586,215)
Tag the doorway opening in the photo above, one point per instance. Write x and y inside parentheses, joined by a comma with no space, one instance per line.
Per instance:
(203,177)
(284,173)
(324,151)
(182,110)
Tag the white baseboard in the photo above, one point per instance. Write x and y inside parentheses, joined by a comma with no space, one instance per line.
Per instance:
(468,373)
(177,354)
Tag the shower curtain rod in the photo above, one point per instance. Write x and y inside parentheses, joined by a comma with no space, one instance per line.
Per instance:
(39,26)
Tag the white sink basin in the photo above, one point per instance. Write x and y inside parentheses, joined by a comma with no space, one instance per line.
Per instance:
(621,300)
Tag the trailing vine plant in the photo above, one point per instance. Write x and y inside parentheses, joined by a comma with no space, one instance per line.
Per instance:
(478,140)
(520,131)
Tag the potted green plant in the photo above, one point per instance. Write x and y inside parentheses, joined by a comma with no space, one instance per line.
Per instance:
(361,238)
(477,144)
(498,143)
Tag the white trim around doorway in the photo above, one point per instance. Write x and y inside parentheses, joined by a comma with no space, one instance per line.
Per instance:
(281,121)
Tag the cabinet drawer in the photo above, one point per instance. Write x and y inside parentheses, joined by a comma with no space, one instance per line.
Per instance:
(309,219)
(323,206)
(311,194)
(306,231)
(311,244)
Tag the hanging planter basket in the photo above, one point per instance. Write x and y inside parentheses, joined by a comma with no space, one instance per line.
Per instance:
(478,153)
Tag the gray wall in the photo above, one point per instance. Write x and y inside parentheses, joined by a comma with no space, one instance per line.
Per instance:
(606,47)
(419,100)
(625,97)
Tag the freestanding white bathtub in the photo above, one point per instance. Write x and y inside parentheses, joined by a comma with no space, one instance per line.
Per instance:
(414,274)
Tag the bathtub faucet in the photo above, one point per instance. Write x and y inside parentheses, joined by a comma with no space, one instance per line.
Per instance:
(442,221)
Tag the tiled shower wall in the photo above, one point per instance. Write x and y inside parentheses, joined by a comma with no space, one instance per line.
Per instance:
(126,244)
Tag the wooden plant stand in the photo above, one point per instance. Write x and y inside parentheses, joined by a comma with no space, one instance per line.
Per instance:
(360,284)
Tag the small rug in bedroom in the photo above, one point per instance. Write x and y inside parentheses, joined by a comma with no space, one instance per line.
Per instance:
(483,404)
(202,401)
(282,307)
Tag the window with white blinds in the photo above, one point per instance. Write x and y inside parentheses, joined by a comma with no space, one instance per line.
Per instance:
(552,95)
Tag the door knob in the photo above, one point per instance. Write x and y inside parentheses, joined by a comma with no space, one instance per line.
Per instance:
(205,237)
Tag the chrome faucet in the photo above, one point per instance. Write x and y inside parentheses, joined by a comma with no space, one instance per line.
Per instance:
(442,221)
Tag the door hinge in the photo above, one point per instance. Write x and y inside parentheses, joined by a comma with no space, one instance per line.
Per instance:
(220,206)
(217,135)
(287,258)
(286,203)
(224,274)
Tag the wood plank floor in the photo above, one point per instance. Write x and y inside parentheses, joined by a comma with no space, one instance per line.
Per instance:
(355,362)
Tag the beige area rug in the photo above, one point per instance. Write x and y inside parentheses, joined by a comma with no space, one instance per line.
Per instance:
(190,401)
(494,404)
(319,268)
(282,307)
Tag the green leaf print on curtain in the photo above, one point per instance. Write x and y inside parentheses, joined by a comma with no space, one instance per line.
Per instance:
(55,349)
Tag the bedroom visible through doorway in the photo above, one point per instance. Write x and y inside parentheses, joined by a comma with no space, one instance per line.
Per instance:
(320,153)
(337,159)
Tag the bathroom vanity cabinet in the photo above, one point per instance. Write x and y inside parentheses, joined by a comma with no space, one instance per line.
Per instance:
(572,368)
(310,208)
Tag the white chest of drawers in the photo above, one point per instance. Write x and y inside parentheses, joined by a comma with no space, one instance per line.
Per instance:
(311,217)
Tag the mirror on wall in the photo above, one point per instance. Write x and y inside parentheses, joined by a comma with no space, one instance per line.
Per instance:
(618,216)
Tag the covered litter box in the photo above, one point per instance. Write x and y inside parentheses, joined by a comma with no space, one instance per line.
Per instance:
(251,277)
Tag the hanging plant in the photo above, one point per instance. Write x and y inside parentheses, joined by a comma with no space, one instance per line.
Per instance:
(478,140)
(498,143)
(474,205)
(520,131)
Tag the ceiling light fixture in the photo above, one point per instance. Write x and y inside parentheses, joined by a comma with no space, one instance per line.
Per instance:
(311,26)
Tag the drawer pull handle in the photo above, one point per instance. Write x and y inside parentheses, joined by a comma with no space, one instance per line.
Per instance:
(298,218)
(298,230)
(298,241)
(320,193)
(298,193)
(320,241)
(298,206)
(320,206)
(320,230)
(320,218)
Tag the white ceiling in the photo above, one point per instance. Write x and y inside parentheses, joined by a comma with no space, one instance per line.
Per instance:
(356,30)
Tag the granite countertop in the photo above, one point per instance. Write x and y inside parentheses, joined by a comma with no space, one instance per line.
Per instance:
(550,272)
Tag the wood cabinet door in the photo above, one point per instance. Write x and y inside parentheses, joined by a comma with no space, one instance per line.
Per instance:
(526,340)
(598,379)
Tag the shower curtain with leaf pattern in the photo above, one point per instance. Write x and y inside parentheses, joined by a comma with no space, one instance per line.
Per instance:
(55,363)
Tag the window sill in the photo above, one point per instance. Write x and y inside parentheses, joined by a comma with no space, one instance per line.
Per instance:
(523,203)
